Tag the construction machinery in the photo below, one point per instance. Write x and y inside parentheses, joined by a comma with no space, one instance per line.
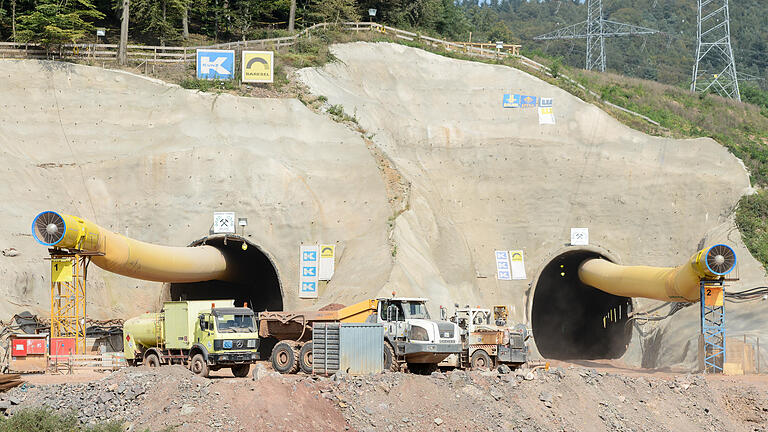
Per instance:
(486,340)
(206,335)
(411,337)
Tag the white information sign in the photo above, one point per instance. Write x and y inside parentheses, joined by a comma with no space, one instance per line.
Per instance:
(579,236)
(224,222)
(327,261)
(503,266)
(518,264)
(308,271)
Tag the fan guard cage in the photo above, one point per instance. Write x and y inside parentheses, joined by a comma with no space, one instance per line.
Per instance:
(40,229)
(728,259)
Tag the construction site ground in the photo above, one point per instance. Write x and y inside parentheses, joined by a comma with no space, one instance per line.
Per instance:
(602,396)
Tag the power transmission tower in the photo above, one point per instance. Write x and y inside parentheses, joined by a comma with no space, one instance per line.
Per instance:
(595,29)
(714,52)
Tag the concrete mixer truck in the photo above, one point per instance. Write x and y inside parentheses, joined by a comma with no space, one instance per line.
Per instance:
(207,335)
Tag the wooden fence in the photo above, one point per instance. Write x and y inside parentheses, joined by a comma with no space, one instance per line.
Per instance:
(165,54)
(70,363)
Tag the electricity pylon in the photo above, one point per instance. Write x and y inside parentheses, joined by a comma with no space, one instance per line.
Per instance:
(595,29)
(714,52)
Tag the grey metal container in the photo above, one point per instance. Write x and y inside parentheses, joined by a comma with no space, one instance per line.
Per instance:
(355,348)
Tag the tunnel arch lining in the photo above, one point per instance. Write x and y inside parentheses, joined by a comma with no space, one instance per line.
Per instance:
(229,243)
(565,313)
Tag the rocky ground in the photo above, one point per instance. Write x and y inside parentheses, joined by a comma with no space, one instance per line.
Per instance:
(569,398)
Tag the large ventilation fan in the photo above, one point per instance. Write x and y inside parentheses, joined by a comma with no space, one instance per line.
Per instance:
(721,259)
(48,228)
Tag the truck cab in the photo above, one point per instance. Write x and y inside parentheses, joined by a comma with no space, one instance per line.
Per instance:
(226,337)
(413,337)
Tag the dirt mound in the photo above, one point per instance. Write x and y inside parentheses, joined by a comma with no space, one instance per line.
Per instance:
(562,398)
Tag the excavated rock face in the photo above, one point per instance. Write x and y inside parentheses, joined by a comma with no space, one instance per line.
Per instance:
(485,178)
(154,161)
(462,176)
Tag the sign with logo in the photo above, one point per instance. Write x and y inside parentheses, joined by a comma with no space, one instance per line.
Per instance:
(503,271)
(518,264)
(527,101)
(546,116)
(579,236)
(258,66)
(327,261)
(224,222)
(510,101)
(215,64)
(546,102)
(61,270)
(308,271)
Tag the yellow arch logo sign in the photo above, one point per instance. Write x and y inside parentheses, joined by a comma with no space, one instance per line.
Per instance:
(258,66)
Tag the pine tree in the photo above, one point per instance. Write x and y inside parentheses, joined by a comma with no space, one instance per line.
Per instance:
(53,22)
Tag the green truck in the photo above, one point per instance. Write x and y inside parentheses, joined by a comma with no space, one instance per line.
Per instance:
(206,335)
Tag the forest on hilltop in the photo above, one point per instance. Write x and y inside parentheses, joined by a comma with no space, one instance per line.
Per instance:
(666,58)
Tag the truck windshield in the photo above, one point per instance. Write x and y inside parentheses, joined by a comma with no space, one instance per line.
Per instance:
(235,324)
(416,310)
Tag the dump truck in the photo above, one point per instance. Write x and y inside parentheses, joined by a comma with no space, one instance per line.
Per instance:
(487,341)
(411,337)
(206,335)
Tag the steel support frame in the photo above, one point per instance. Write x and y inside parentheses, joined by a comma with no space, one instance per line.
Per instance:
(595,29)
(712,329)
(68,301)
(713,49)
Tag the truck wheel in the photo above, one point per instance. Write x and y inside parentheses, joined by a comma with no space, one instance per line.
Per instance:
(152,360)
(199,366)
(390,362)
(241,371)
(285,358)
(480,360)
(305,358)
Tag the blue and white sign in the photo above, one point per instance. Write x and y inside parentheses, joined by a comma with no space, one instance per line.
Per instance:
(546,102)
(510,101)
(215,64)
(308,271)
(503,267)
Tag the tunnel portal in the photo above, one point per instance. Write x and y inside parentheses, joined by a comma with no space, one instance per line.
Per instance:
(256,279)
(567,316)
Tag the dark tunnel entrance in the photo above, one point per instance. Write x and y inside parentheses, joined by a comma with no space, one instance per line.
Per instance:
(258,283)
(573,321)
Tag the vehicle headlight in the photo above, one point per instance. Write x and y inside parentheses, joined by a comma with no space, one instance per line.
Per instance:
(419,333)
(251,343)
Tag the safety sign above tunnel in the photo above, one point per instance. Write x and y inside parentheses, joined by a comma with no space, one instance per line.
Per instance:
(215,64)
(258,66)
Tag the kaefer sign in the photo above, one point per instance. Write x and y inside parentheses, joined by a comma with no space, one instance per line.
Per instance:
(215,64)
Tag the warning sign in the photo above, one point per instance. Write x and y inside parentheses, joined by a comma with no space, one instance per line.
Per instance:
(258,66)
(713,296)
(61,270)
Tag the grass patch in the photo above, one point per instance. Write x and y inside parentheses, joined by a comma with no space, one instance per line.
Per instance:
(45,420)
(209,85)
(752,220)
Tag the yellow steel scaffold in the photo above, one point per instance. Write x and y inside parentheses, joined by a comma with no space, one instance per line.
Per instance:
(68,296)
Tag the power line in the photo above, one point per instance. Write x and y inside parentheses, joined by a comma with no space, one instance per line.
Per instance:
(595,29)
(713,47)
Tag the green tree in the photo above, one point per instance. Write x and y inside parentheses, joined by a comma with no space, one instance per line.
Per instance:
(158,20)
(53,22)
(334,10)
